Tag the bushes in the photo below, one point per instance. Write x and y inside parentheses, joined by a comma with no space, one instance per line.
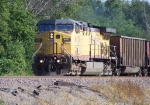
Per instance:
(14,60)
(16,35)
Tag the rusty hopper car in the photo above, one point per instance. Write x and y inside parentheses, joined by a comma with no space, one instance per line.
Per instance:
(147,55)
(132,54)
(72,47)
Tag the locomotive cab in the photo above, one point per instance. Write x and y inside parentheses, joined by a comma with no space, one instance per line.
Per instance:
(53,43)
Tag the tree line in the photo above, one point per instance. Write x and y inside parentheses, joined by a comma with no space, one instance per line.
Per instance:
(18,24)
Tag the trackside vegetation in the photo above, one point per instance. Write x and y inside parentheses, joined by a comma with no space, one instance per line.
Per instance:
(1,102)
(126,91)
(18,24)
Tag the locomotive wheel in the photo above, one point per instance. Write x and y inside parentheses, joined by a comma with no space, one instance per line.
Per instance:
(105,69)
(118,72)
(145,73)
(104,72)
(38,70)
(113,67)
(46,69)
(139,73)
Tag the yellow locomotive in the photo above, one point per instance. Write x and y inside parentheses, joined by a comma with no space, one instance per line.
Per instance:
(70,47)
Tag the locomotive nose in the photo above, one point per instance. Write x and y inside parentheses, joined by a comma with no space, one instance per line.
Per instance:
(56,41)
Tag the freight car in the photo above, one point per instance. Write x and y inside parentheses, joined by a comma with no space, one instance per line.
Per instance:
(133,55)
(70,47)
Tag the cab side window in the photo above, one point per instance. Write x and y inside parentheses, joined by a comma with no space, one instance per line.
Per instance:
(106,37)
(57,36)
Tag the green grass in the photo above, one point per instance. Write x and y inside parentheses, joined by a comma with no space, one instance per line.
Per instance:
(1,102)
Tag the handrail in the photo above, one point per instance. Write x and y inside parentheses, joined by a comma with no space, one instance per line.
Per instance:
(66,50)
(114,54)
(63,49)
(109,49)
(114,50)
(37,50)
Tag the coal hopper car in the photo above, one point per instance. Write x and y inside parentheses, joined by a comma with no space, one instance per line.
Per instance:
(132,55)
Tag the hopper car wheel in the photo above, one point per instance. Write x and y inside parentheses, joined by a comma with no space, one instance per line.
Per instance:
(118,72)
(145,73)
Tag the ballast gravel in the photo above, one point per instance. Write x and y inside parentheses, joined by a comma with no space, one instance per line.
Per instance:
(57,91)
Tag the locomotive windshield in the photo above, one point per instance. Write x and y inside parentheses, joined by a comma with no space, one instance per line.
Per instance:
(64,27)
(46,27)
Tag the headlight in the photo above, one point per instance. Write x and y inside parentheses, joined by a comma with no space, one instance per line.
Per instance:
(51,35)
(55,57)
(41,61)
(58,60)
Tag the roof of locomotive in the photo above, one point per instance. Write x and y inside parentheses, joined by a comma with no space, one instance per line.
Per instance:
(85,24)
(61,21)
(129,37)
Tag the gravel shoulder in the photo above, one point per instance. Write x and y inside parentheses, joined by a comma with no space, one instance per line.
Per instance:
(57,91)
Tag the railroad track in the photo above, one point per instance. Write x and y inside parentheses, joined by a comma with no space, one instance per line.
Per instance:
(70,77)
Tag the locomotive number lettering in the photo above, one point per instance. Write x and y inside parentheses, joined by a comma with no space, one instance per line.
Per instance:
(77,38)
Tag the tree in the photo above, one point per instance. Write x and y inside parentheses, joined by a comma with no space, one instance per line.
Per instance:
(138,12)
(18,34)
(90,12)
(53,8)
(146,14)
(4,26)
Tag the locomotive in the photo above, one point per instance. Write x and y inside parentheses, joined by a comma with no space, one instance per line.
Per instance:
(71,47)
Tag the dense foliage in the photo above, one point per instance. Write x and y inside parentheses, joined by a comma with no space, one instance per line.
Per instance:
(18,18)
(128,18)
(16,37)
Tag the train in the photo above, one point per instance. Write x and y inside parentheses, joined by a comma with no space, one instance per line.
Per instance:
(70,47)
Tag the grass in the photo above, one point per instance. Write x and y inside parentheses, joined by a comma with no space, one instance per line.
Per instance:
(125,91)
(116,91)
(42,102)
(1,102)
